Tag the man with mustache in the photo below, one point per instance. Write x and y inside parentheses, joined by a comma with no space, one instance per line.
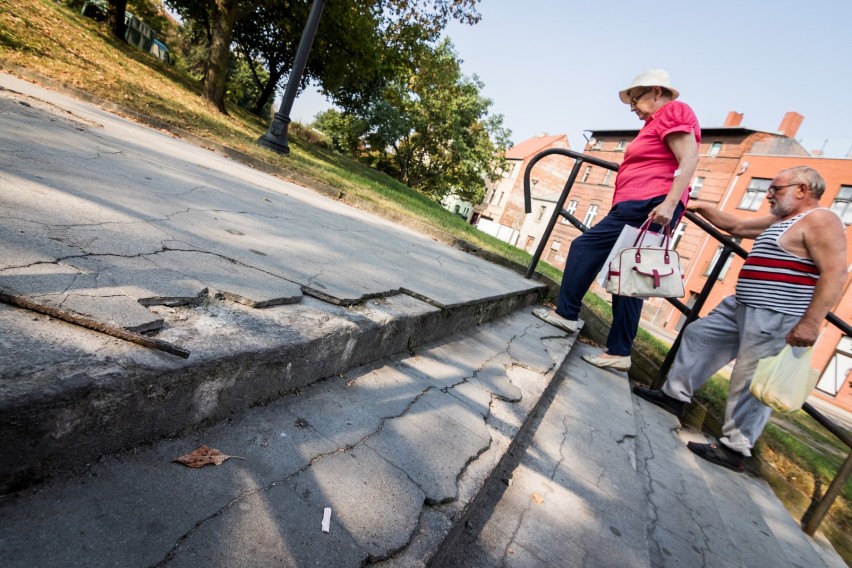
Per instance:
(793,276)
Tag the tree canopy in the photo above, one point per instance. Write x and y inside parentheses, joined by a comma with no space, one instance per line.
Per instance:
(352,44)
(429,128)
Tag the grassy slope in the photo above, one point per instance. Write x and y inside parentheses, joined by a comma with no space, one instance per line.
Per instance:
(56,42)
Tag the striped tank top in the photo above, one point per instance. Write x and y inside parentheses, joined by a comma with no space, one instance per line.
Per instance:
(775,279)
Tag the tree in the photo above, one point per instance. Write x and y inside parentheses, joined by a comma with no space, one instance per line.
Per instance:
(219,18)
(430,129)
(344,130)
(115,18)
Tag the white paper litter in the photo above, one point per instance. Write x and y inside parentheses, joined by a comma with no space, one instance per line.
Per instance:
(326,519)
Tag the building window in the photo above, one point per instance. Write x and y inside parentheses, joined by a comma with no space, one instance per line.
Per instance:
(542,210)
(621,144)
(697,184)
(716,258)
(572,207)
(598,145)
(499,201)
(590,215)
(530,243)
(555,245)
(842,204)
(607,175)
(715,148)
(754,194)
(586,173)
(678,233)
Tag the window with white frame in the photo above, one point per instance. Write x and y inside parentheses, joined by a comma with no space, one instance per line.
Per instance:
(754,194)
(499,201)
(621,145)
(571,208)
(542,210)
(678,233)
(598,145)
(697,184)
(842,204)
(716,256)
(554,245)
(607,175)
(715,148)
(590,215)
(586,173)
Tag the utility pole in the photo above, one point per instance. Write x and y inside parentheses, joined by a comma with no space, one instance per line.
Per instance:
(276,137)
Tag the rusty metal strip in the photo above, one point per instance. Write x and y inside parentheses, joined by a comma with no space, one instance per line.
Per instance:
(77,319)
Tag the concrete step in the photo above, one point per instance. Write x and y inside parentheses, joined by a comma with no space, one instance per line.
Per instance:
(69,395)
(267,285)
(605,479)
(397,451)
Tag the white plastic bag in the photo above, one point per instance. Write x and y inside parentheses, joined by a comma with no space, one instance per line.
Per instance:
(626,239)
(785,381)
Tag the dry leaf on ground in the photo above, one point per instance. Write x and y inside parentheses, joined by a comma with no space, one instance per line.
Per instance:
(537,498)
(203,456)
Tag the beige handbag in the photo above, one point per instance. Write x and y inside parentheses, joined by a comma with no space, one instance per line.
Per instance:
(646,272)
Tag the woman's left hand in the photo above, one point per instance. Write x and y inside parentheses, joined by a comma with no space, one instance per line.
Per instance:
(662,214)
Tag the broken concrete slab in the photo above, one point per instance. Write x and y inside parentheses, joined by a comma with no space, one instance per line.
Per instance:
(230,279)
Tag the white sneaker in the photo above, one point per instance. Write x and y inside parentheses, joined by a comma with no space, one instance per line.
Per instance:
(554,319)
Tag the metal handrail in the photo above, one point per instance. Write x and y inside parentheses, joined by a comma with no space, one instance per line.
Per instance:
(819,507)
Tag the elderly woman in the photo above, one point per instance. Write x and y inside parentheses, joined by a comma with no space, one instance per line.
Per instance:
(652,183)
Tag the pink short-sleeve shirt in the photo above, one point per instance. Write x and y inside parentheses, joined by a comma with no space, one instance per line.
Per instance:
(649,165)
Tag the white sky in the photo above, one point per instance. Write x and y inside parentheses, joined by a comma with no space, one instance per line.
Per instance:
(555,66)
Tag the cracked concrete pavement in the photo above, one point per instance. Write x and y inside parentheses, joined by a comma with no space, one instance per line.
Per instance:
(606,479)
(97,207)
(264,285)
(397,450)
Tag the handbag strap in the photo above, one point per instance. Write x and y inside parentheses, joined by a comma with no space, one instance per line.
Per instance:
(643,230)
(646,227)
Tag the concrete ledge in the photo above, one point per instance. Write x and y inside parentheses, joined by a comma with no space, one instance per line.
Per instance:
(397,451)
(69,395)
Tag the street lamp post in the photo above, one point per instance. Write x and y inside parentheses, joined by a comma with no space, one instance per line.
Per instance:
(276,137)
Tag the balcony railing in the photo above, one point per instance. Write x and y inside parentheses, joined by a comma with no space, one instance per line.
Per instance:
(819,506)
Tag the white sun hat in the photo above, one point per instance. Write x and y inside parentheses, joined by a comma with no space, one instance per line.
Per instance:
(649,78)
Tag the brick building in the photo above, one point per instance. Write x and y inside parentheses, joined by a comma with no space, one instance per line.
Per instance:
(735,167)
(502,214)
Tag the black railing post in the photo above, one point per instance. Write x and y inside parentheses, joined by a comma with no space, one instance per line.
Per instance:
(692,314)
(579,159)
(816,513)
(557,212)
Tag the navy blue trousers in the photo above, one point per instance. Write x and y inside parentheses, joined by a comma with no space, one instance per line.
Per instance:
(586,257)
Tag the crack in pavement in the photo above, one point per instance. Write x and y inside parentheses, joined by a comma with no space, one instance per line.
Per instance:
(170,555)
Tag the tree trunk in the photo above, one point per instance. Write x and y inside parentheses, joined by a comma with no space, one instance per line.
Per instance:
(267,91)
(115,17)
(223,17)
